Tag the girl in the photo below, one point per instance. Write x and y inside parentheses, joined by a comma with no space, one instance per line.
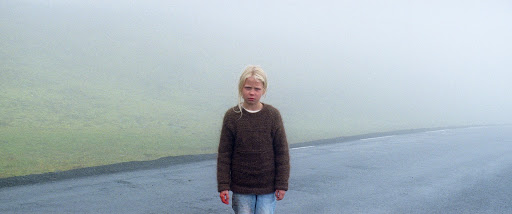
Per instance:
(253,160)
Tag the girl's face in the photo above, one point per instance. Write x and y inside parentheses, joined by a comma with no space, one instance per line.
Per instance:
(252,91)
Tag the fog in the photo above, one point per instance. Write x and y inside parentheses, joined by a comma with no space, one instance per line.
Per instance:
(334,68)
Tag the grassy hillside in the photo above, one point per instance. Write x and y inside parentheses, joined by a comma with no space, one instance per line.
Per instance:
(50,122)
(57,117)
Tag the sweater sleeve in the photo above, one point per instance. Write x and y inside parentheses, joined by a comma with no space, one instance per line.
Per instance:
(224,156)
(281,154)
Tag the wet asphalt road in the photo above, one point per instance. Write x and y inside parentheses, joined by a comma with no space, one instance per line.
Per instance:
(466,170)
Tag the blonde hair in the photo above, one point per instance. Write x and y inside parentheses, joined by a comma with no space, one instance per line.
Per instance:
(250,71)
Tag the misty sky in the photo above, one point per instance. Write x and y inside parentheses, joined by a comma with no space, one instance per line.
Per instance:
(367,64)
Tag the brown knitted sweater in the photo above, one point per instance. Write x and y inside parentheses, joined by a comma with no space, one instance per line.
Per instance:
(253,152)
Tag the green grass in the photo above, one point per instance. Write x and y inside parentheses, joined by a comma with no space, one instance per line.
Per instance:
(61,117)
(53,120)
(31,150)
(51,133)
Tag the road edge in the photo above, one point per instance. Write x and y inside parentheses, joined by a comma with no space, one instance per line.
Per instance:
(176,160)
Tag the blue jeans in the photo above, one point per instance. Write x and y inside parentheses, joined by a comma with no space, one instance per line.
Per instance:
(254,204)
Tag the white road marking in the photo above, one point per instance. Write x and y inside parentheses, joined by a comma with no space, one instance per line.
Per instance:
(304,147)
(373,138)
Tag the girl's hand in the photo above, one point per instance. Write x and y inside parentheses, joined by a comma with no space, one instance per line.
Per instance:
(224,196)
(280,194)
